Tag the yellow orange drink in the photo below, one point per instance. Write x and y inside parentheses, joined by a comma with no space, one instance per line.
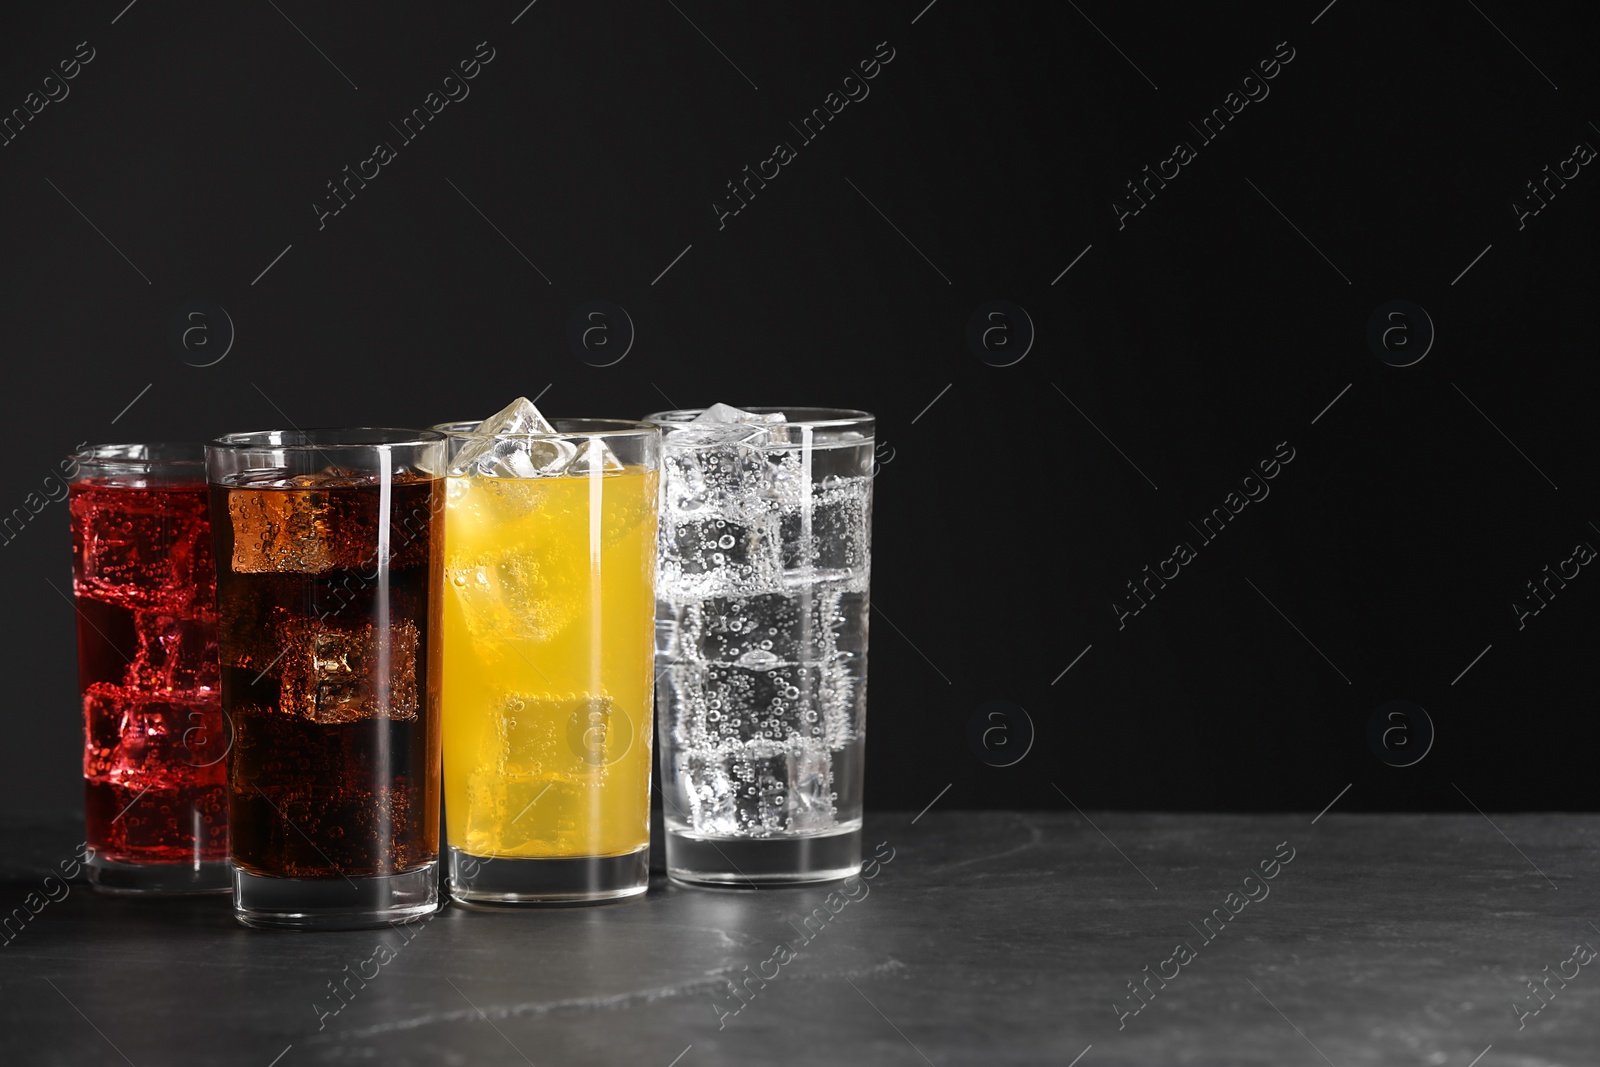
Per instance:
(547,684)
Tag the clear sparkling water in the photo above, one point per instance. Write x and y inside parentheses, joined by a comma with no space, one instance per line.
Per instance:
(761,629)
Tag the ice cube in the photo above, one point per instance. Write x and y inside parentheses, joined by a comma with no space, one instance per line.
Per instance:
(739,629)
(481,506)
(291,529)
(764,800)
(598,731)
(755,699)
(725,466)
(712,553)
(790,627)
(137,739)
(723,425)
(176,651)
(758,789)
(331,519)
(713,793)
(840,540)
(778,703)
(841,521)
(519,416)
(727,413)
(519,455)
(514,752)
(543,749)
(334,675)
(512,594)
(810,804)
(143,548)
(594,455)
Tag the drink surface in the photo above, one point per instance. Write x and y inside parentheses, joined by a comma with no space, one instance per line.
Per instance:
(762,633)
(155,742)
(328,600)
(548,663)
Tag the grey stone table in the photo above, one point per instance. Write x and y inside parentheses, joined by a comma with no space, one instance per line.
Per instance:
(986,938)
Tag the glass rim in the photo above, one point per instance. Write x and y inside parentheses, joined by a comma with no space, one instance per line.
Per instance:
(142,456)
(467,430)
(324,438)
(821,417)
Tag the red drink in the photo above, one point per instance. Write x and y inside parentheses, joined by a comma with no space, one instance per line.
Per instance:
(156,741)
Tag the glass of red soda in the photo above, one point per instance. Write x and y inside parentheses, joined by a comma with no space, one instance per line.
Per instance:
(155,738)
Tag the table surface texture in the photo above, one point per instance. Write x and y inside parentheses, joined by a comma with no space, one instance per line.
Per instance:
(985,938)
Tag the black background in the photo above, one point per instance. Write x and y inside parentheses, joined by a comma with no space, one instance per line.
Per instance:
(1197,337)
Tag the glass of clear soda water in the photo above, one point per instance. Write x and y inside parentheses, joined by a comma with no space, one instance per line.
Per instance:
(765,548)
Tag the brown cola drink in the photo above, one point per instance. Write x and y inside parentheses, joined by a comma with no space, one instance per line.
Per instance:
(328,603)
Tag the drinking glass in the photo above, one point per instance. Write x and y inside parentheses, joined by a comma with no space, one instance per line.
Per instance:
(155,742)
(329,570)
(761,644)
(548,617)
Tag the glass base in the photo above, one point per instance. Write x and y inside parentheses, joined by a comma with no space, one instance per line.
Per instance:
(166,879)
(762,862)
(508,881)
(334,903)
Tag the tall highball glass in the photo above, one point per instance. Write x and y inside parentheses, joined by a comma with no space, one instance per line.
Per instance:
(761,643)
(155,740)
(550,543)
(329,568)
